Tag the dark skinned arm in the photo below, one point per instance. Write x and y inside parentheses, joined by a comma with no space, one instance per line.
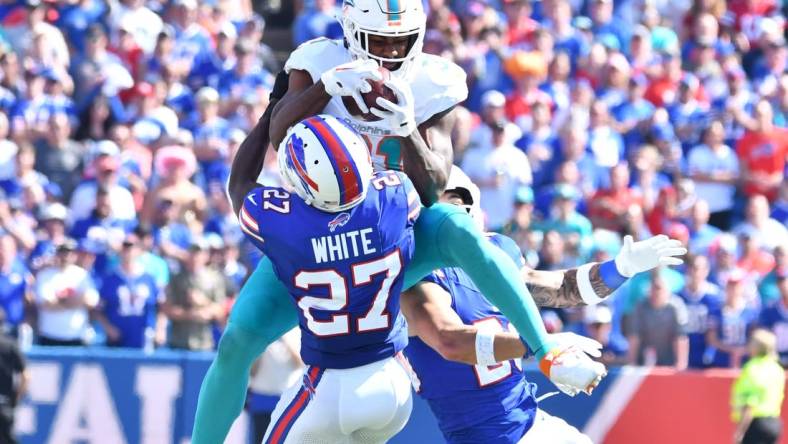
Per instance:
(249,159)
(303,99)
(427,156)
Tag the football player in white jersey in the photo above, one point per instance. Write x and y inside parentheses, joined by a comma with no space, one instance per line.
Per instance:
(410,136)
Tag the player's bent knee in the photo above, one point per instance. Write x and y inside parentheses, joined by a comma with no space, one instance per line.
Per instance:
(239,345)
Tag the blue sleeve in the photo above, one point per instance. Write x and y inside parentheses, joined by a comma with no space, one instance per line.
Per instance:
(509,247)
(438,277)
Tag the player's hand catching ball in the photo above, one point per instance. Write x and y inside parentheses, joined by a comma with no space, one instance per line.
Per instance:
(570,368)
(636,257)
(401,115)
(350,79)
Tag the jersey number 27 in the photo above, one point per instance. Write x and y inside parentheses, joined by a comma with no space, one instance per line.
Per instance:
(376,318)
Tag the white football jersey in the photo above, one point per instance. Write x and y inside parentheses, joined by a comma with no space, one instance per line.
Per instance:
(437,85)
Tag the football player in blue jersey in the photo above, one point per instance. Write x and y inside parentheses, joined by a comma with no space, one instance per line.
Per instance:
(339,237)
(490,400)
(410,135)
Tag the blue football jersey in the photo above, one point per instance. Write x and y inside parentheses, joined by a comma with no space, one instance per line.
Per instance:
(699,307)
(463,396)
(733,328)
(344,270)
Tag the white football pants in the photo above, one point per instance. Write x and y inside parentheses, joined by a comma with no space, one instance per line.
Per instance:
(554,430)
(362,405)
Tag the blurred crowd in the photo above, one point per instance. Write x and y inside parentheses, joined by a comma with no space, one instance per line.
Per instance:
(586,120)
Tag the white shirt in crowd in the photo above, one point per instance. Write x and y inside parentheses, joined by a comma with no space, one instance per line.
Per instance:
(83,201)
(510,166)
(482,135)
(772,235)
(8,150)
(704,160)
(276,369)
(53,283)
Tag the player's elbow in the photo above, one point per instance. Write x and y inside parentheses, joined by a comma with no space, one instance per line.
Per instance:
(452,348)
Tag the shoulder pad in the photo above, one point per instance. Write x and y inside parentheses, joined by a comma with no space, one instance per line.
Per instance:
(317,56)
(440,83)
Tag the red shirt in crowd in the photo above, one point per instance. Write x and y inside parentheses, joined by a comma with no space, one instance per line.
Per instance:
(763,153)
(606,207)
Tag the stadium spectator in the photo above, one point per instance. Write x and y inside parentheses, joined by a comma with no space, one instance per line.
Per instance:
(492,112)
(752,259)
(211,136)
(715,169)
(701,233)
(318,19)
(64,294)
(52,219)
(539,144)
(14,382)
(194,300)
(607,207)
(774,316)
(659,329)
(606,144)
(106,166)
(762,151)
(519,227)
(769,287)
(552,254)
(701,298)
(101,222)
(144,23)
(175,165)
(498,169)
(767,232)
(15,283)
(573,226)
(58,156)
(598,326)
(127,309)
(758,392)
(730,325)
(246,78)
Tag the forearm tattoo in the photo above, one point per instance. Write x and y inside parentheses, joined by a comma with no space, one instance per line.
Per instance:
(568,294)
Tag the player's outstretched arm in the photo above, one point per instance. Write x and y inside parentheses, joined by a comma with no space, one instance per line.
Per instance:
(427,307)
(249,159)
(591,283)
(426,150)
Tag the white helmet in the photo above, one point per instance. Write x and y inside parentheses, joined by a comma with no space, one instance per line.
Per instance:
(326,163)
(460,183)
(387,18)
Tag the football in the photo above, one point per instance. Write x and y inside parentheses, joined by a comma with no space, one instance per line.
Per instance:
(370,98)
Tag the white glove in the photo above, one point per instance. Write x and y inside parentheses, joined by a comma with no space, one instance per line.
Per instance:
(570,368)
(636,257)
(586,345)
(401,115)
(350,79)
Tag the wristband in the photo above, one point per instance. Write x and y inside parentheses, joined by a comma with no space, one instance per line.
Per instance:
(587,292)
(485,349)
(610,275)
